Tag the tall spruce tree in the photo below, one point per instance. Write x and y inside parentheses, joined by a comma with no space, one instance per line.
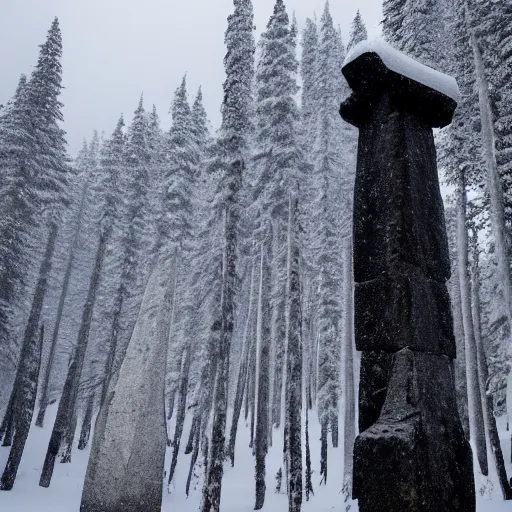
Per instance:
(494,29)
(358,32)
(37,165)
(180,173)
(416,28)
(328,161)
(17,150)
(279,161)
(309,195)
(229,159)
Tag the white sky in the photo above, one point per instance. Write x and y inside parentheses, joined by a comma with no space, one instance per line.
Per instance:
(116,49)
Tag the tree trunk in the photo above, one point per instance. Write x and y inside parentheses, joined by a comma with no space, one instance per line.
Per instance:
(476,418)
(67,404)
(460,362)
(27,394)
(309,483)
(251,390)
(180,415)
(109,363)
(16,403)
(196,432)
(242,372)
(323,452)
(275,304)
(487,402)
(494,184)
(85,431)
(293,380)
(192,434)
(348,340)
(68,440)
(213,482)
(43,399)
(262,383)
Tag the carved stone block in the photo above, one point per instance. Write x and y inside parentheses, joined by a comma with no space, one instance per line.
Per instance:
(402,310)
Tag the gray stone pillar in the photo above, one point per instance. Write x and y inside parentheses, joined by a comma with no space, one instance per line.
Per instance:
(412,454)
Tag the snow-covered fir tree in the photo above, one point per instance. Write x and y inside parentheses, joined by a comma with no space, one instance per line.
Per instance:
(35,162)
(358,32)
(229,159)
(279,163)
(416,28)
(238,246)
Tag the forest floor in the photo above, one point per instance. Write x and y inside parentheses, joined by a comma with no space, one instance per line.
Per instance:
(237,488)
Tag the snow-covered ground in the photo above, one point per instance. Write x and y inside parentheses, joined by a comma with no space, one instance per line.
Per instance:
(237,489)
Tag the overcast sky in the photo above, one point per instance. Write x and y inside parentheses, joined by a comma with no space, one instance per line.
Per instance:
(116,49)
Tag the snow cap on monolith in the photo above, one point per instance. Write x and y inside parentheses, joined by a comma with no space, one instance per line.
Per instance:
(374,65)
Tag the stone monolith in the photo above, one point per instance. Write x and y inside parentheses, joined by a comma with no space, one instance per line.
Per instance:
(412,454)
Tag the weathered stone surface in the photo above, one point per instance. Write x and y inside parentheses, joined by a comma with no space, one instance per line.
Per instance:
(402,310)
(126,467)
(398,210)
(373,385)
(415,457)
(412,454)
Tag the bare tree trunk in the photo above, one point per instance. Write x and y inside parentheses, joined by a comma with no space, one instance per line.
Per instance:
(196,443)
(192,434)
(251,389)
(494,184)
(262,384)
(68,440)
(67,404)
(109,363)
(16,403)
(174,389)
(309,483)
(7,426)
(43,399)
(487,403)
(242,372)
(460,361)
(476,418)
(293,362)
(85,431)
(348,340)
(213,483)
(27,393)
(180,415)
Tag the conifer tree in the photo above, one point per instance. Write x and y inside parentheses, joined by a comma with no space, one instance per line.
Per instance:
(492,22)
(17,147)
(328,161)
(134,232)
(357,32)
(279,162)
(228,158)
(309,75)
(309,194)
(85,169)
(111,175)
(180,173)
(416,28)
(37,164)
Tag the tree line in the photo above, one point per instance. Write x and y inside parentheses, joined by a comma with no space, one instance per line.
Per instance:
(248,229)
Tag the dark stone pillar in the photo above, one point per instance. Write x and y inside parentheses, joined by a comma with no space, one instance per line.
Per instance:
(412,454)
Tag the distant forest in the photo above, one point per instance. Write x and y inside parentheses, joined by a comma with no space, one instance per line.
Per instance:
(233,251)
